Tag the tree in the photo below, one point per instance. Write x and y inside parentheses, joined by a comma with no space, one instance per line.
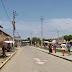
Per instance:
(28,38)
(36,40)
(66,37)
(70,37)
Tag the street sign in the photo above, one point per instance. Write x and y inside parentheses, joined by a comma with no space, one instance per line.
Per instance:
(17,37)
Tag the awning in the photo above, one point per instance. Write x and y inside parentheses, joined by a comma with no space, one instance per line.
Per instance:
(9,41)
(46,41)
(25,41)
(70,41)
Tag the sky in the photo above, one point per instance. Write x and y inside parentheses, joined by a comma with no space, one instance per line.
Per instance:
(57,16)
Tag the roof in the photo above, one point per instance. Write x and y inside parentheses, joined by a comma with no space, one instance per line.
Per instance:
(5,33)
(4,36)
(1,26)
(58,38)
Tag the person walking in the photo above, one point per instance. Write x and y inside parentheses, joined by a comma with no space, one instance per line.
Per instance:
(3,51)
(54,46)
(50,48)
(68,47)
(63,50)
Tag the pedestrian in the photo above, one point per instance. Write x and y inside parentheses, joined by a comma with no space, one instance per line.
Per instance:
(50,48)
(68,47)
(54,46)
(63,50)
(3,51)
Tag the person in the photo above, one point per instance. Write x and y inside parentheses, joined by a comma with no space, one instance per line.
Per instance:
(8,47)
(54,46)
(63,50)
(50,48)
(68,47)
(3,51)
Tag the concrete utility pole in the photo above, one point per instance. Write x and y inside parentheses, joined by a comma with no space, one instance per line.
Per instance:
(62,39)
(18,38)
(31,38)
(58,34)
(41,31)
(13,22)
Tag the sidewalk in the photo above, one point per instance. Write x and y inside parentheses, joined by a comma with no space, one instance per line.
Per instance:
(4,60)
(57,54)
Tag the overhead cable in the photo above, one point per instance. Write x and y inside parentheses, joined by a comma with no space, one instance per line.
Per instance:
(5,11)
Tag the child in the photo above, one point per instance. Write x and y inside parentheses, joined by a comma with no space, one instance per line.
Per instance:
(63,50)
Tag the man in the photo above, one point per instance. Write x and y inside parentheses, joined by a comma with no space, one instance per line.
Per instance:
(3,51)
(68,47)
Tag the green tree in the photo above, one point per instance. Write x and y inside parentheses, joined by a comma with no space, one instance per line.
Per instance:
(70,37)
(36,40)
(28,38)
(66,37)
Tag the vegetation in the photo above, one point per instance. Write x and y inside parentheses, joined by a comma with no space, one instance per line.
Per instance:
(36,40)
(68,37)
(57,50)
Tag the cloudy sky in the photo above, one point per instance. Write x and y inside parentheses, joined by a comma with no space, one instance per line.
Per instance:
(57,17)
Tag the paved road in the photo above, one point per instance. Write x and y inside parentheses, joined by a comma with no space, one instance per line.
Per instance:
(28,59)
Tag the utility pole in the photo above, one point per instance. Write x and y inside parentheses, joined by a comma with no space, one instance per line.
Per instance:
(21,40)
(31,39)
(18,38)
(41,31)
(62,39)
(13,22)
(58,34)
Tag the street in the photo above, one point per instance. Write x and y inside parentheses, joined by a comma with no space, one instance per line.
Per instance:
(29,59)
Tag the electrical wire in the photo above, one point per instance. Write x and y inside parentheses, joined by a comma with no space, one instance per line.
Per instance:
(5,11)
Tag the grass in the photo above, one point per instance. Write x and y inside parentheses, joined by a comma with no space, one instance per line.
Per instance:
(57,50)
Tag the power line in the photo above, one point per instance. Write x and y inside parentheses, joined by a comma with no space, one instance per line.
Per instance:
(5,11)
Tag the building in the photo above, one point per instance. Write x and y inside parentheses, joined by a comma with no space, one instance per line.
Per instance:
(59,39)
(4,37)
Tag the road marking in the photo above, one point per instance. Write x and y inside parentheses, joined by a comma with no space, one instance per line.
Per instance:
(40,61)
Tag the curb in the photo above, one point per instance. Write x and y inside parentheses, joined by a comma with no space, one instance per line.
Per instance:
(7,59)
(56,56)
(61,57)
